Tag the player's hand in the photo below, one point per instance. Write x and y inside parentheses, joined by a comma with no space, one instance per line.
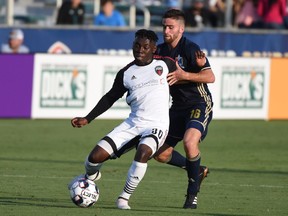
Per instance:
(177,75)
(200,58)
(79,122)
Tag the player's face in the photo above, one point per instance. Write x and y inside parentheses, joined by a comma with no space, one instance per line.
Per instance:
(15,43)
(143,50)
(172,30)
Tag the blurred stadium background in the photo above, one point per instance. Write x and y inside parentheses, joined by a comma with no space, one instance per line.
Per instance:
(69,68)
(43,12)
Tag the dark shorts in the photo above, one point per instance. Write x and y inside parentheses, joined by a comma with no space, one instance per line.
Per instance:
(197,116)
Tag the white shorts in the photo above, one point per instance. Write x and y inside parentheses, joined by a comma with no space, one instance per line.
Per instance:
(125,137)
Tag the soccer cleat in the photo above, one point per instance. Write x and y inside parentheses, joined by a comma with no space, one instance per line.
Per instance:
(94,177)
(190,202)
(122,203)
(203,173)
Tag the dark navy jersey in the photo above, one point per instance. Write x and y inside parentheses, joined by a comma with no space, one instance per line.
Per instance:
(185,95)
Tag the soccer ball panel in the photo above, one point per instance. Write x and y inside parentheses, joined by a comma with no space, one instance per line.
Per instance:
(84,192)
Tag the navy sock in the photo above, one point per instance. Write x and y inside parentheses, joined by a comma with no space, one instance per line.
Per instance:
(192,167)
(177,160)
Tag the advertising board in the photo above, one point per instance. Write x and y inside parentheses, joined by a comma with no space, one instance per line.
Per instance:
(70,85)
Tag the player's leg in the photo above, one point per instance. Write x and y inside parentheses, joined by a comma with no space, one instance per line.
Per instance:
(106,149)
(193,158)
(95,160)
(136,172)
(197,126)
(167,154)
(145,150)
(93,164)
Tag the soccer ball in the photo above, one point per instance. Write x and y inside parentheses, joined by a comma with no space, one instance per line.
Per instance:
(83,192)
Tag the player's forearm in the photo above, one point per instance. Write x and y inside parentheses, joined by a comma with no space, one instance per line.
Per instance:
(103,105)
(204,76)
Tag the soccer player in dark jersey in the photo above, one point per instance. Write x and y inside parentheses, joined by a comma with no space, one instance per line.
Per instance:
(145,82)
(191,110)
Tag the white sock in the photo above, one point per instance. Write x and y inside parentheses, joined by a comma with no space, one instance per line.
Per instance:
(135,174)
(92,169)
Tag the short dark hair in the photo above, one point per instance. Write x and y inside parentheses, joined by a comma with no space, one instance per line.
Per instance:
(103,2)
(144,33)
(174,14)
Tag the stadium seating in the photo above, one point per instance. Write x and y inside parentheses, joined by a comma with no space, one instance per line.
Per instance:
(44,12)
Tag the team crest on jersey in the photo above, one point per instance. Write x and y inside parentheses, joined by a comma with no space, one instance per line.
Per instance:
(159,70)
(180,61)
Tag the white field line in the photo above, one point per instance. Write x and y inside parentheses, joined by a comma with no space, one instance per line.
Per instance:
(161,182)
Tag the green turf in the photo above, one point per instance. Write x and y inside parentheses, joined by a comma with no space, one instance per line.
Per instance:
(248,162)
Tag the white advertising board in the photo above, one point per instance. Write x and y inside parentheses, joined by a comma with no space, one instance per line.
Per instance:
(65,86)
(241,89)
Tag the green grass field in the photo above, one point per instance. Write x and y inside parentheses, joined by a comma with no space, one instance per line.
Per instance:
(248,161)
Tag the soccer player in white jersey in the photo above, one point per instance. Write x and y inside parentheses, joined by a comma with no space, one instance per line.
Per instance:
(145,82)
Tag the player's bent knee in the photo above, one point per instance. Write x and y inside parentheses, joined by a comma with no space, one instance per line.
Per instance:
(163,158)
(164,154)
(98,155)
(143,154)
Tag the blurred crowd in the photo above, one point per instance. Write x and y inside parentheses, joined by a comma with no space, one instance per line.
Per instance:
(243,14)
(255,14)
(265,14)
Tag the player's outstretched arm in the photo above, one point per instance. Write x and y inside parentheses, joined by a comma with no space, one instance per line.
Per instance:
(79,122)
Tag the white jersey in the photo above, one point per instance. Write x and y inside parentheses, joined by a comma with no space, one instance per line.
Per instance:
(148,93)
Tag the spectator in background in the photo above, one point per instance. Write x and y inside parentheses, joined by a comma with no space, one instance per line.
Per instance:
(273,13)
(286,17)
(71,13)
(198,15)
(109,16)
(217,12)
(15,43)
(177,4)
(246,14)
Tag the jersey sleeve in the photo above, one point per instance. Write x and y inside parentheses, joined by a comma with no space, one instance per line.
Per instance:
(116,92)
(190,53)
(207,65)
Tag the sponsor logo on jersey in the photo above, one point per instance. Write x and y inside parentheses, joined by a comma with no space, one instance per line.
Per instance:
(159,70)
(243,87)
(151,82)
(63,86)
